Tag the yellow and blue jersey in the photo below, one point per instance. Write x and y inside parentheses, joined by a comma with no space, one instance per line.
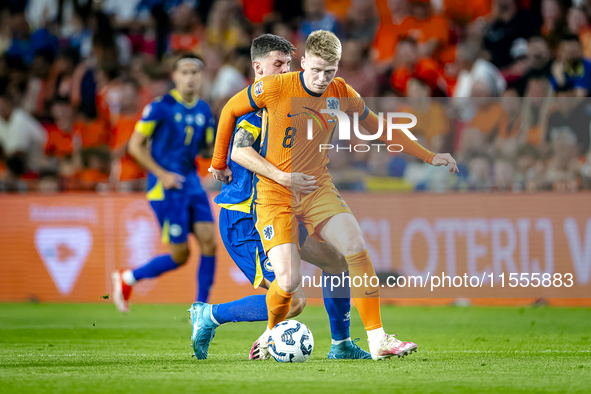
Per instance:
(178,130)
(237,196)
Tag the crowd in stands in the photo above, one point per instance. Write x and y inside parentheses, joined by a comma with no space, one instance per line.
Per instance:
(500,84)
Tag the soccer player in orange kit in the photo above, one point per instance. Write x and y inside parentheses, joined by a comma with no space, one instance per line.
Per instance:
(324,213)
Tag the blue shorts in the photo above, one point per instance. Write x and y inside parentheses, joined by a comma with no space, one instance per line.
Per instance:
(179,211)
(243,243)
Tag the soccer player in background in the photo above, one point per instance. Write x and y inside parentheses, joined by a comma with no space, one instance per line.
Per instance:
(270,55)
(178,126)
(324,213)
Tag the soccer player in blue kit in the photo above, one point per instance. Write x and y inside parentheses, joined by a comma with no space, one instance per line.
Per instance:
(270,54)
(173,130)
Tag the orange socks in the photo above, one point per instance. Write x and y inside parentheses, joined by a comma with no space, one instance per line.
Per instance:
(278,304)
(366,296)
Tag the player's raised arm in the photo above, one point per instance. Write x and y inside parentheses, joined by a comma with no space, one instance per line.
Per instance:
(258,95)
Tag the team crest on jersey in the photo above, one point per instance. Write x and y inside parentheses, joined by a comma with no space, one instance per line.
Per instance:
(258,88)
(269,232)
(268,266)
(178,117)
(200,119)
(333,103)
(189,119)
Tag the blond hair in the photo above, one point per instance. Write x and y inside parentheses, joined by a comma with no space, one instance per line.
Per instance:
(325,45)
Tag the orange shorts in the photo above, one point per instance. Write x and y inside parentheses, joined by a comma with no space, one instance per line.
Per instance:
(278,224)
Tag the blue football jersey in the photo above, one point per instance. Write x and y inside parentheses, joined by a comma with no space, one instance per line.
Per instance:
(237,196)
(177,130)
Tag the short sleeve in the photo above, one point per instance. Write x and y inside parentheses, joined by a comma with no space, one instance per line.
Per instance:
(265,92)
(151,114)
(251,124)
(355,103)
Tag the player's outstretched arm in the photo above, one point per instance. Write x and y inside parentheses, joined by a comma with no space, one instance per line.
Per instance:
(236,107)
(138,148)
(410,147)
(247,157)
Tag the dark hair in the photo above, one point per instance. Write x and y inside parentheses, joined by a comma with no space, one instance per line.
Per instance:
(570,37)
(188,56)
(408,39)
(263,45)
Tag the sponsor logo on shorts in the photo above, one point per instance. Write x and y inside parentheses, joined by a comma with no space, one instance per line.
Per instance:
(258,88)
(269,232)
(268,267)
(175,230)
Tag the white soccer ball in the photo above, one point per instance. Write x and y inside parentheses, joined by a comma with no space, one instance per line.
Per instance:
(290,342)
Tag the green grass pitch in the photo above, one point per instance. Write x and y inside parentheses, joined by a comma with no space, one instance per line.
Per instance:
(93,348)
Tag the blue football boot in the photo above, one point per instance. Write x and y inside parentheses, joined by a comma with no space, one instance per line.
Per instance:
(203,329)
(348,350)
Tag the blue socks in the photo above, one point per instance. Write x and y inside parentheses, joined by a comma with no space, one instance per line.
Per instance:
(251,308)
(205,275)
(337,301)
(254,308)
(161,264)
(156,267)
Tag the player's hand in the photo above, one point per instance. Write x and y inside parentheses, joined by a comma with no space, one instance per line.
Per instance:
(299,184)
(224,175)
(444,159)
(170,180)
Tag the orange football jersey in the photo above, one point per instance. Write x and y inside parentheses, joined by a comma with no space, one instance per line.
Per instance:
(286,141)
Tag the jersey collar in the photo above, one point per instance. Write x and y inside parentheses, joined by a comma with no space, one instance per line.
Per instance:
(177,96)
(311,93)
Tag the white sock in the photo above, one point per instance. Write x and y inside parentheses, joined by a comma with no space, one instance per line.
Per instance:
(375,336)
(213,318)
(128,278)
(339,342)
(266,334)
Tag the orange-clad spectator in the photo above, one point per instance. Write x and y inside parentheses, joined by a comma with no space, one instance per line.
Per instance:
(392,13)
(338,7)
(59,142)
(96,169)
(432,121)
(431,31)
(578,24)
(107,96)
(92,131)
(489,122)
(60,133)
(463,12)
(125,168)
(491,119)
(554,22)
(187,31)
(409,62)
(536,110)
